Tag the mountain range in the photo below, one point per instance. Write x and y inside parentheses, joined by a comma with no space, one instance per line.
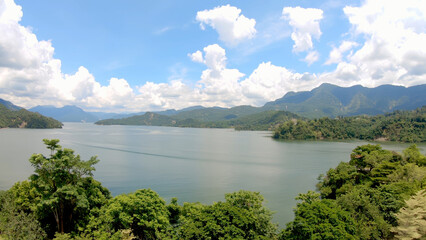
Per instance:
(326,100)
(331,101)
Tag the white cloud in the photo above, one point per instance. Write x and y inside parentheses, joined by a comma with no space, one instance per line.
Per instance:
(311,57)
(392,53)
(19,47)
(231,25)
(29,75)
(395,33)
(305,24)
(197,56)
(219,85)
(336,54)
(269,82)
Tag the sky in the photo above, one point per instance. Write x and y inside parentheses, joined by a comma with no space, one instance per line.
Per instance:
(134,56)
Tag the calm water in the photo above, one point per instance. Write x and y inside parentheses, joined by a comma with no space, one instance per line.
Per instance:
(190,164)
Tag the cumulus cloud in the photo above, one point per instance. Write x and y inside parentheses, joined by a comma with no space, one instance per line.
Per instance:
(336,54)
(305,24)
(219,85)
(393,52)
(311,57)
(196,56)
(19,48)
(30,75)
(231,25)
(269,82)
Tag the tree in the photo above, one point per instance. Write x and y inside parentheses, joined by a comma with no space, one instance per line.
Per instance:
(338,180)
(370,222)
(411,219)
(241,216)
(143,211)
(60,180)
(319,219)
(412,154)
(15,223)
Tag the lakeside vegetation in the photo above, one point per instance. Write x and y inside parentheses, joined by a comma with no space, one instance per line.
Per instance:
(400,126)
(21,118)
(360,199)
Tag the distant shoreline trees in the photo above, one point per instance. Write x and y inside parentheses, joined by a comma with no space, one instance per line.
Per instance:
(399,126)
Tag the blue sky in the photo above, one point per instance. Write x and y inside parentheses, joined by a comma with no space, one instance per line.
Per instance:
(145,55)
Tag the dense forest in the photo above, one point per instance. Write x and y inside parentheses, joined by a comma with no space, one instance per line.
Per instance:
(267,120)
(21,118)
(400,126)
(378,194)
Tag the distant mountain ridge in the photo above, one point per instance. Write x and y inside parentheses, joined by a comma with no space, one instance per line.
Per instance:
(330,100)
(72,113)
(326,100)
(9,105)
(65,114)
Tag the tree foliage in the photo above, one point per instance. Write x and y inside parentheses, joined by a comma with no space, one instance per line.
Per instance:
(373,187)
(400,126)
(16,223)
(412,218)
(241,216)
(61,180)
(143,211)
(317,218)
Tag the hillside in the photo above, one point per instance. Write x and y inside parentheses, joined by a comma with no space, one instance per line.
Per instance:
(215,114)
(149,119)
(267,120)
(331,101)
(400,126)
(25,119)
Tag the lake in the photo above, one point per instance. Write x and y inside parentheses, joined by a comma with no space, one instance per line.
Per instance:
(194,165)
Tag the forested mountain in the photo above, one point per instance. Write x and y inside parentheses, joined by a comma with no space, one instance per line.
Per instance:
(215,114)
(12,116)
(401,126)
(267,120)
(331,101)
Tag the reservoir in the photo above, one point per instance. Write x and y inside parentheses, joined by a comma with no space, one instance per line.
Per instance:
(194,165)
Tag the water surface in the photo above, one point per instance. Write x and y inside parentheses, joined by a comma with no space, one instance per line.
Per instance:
(190,164)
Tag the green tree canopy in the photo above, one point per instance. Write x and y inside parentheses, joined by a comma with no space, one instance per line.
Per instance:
(64,184)
(241,216)
(319,219)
